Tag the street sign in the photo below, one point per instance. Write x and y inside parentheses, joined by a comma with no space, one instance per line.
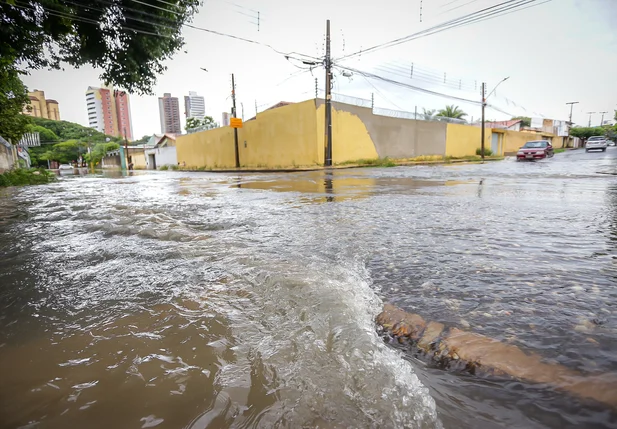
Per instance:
(235,122)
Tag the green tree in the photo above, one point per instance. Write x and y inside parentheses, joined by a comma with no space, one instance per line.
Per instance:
(128,41)
(46,135)
(209,121)
(526,121)
(99,151)
(66,130)
(586,132)
(193,123)
(13,98)
(452,112)
(142,140)
(65,152)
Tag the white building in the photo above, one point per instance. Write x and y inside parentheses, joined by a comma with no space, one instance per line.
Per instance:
(194,105)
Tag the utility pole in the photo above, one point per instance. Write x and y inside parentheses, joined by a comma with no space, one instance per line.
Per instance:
(126,149)
(328,130)
(372,101)
(482,132)
(590,113)
(233,113)
(571,103)
(242,106)
(602,120)
(255,109)
(316,89)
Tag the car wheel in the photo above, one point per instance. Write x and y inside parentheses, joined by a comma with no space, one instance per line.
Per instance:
(586,150)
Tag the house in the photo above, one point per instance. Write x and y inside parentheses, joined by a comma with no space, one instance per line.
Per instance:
(510,125)
(162,153)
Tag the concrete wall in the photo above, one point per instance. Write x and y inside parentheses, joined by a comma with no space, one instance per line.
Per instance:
(464,140)
(138,158)
(391,137)
(514,140)
(351,139)
(282,137)
(111,161)
(162,156)
(7,160)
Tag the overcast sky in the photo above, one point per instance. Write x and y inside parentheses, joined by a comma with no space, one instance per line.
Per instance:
(556,52)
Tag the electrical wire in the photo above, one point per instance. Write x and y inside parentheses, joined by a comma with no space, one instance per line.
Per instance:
(477,16)
(379,92)
(405,85)
(63,14)
(434,80)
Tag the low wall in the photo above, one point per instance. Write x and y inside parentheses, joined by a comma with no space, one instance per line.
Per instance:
(514,140)
(391,137)
(464,140)
(281,137)
(6,157)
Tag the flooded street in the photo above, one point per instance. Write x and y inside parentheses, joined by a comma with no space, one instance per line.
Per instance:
(202,300)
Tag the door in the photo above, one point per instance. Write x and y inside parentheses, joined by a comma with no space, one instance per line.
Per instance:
(151,162)
(495,143)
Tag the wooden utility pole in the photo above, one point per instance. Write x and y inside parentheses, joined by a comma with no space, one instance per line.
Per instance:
(328,127)
(482,132)
(233,113)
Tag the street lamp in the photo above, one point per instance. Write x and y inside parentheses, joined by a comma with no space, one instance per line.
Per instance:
(484,105)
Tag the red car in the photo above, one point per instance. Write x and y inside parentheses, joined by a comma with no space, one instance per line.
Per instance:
(536,149)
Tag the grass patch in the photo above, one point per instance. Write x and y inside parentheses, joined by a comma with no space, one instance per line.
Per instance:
(24,176)
(164,167)
(373,162)
(487,152)
(173,167)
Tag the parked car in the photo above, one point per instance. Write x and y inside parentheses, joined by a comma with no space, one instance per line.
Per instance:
(536,149)
(596,142)
(65,167)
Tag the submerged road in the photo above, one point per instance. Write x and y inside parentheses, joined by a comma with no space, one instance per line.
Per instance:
(200,300)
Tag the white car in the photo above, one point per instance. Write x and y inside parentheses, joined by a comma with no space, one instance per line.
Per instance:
(65,167)
(596,142)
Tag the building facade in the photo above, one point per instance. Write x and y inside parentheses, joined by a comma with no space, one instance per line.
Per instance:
(194,106)
(40,107)
(109,111)
(169,112)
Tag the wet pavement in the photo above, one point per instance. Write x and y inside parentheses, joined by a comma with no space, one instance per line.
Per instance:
(200,300)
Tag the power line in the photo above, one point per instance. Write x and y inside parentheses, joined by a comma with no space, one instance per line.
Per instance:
(379,92)
(432,79)
(480,15)
(412,87)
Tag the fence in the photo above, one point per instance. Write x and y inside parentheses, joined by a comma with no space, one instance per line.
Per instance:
(362,102)
(202,128)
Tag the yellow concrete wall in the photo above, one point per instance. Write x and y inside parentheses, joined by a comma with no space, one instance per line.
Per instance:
(464,140)
(281,137)
(206,149)
(351,140)
(139,160)
(514,140)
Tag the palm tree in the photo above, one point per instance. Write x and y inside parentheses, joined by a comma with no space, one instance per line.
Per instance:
(452,112)
(428,114)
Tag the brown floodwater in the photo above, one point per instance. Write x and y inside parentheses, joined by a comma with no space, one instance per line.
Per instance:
(197,300)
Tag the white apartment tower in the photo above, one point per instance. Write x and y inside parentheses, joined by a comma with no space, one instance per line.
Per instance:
(194,106)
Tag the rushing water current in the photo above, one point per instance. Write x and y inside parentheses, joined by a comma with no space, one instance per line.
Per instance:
(200,300)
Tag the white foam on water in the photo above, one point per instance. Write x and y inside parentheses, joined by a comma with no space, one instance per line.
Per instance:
(308,338)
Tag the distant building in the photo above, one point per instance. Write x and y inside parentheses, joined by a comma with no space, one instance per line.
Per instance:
(169,112)
(109,111)
(194,106)
(39,107)
(225,119)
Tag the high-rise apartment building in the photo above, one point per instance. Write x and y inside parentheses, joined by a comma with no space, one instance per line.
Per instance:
(169,112)
(39,107)
(194,106)
(109,111)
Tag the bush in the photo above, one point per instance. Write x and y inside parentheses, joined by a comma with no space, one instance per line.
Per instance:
(164,167)
(23,176)
(487,151)
(173,167)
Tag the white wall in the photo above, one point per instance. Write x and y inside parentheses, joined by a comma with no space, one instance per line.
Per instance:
(163,156)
